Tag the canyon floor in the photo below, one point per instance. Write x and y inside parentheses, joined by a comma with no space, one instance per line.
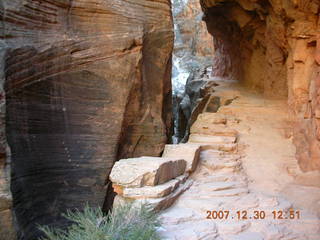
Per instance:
(259,176)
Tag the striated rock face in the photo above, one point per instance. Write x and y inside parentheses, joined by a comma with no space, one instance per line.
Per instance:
(87,83)
(7,230)
(273,46)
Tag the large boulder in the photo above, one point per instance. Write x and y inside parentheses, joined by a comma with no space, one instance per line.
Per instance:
(188,152)
(146,171)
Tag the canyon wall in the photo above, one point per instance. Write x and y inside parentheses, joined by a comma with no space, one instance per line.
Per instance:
(193,52)
(87,83)
(272,46)
(193,44)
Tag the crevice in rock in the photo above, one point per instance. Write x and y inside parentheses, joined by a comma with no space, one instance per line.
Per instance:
(192,59)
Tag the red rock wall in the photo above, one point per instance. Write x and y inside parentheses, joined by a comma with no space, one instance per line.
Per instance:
(271,46)
(87,83)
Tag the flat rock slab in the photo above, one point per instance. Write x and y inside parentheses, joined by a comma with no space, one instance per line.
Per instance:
(226,147)
(215,164)
(219,186)
(201,138)
(159,204)
(158,191)
(146,171)
(214,130)
(188,152)
(212,118)
(228,157)
(213,124)
(178,215)
(225,193)
(156,204)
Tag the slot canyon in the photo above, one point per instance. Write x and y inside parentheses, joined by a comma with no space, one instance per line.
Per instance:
(190,105)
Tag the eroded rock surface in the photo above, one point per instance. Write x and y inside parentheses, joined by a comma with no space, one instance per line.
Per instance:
(146,171)
(87,83)
(273,47)
(251,177)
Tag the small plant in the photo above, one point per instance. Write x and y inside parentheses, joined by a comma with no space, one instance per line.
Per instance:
(126,222)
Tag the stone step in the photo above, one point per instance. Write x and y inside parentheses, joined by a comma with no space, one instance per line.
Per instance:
(212,118)
(165,202)
(224,147)
(178,215)
(220,186)
(201,138)
(214,154)
(156,204)
(215,130)
(223,193)
(188,152)
(216,164)
(146,171)
(158,191)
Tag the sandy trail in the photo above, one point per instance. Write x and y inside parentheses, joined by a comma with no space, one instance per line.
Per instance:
(261,176)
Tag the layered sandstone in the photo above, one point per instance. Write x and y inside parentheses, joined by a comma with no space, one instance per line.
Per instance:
(87,83)
(272,46)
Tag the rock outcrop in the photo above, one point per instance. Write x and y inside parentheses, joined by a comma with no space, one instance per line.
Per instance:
(273,47)
(157,182)
(87,83)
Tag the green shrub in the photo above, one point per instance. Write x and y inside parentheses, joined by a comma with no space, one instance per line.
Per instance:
(126,222)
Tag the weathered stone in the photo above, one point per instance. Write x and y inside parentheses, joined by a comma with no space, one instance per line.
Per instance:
(178,215)
(188,152)
(165,202)
(214,161)
(156,204)
(158,191)
(87,83)
(201,138)
(213,124)
(257,45)
(146,171)
(226,147)
(217,130)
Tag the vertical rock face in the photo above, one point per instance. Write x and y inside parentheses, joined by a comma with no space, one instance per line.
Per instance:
(193,44)
(193,52)
(275,44)
(7,230)
(87,83)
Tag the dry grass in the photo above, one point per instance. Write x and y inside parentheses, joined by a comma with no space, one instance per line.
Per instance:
(126,222)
